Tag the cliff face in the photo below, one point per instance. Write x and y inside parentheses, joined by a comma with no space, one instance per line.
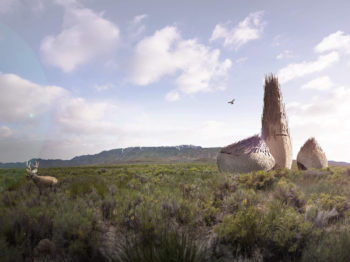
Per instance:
(275,131)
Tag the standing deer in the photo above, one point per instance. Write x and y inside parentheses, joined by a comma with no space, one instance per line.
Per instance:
(40,181)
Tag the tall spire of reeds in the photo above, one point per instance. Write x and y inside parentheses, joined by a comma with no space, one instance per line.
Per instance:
(275,129)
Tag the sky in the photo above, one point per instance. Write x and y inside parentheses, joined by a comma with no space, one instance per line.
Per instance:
(82,76)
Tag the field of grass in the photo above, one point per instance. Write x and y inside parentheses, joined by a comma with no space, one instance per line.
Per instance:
(175,212)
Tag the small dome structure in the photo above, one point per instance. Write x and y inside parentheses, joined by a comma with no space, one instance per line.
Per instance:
(311,155)
(247,155)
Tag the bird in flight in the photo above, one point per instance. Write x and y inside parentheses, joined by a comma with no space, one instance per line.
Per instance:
(231,102)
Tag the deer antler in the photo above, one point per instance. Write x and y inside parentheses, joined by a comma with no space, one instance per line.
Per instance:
(36,165)
(34,170)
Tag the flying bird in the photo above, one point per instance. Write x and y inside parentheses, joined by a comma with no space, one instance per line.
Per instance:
(231,102)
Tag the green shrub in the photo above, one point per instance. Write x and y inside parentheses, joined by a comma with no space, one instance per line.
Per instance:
(85,185)
(75,230)
(23,228)
(107,207)
(239,200)
(286,192)
(286,231)
(328,202)
(168,245)
(243,230)
(257,180)
(333,246)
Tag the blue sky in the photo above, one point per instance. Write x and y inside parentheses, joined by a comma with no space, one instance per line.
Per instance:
(82,76)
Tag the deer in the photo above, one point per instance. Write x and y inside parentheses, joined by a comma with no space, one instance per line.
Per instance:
(40,181)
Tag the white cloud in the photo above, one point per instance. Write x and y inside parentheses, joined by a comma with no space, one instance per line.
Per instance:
(172,96)
(22,100)
(77,115)
(134,30)
(249,29)
(80,126)
(137,19)
(326,119)
(85,36)
(337,41)
(153,57)
(285,54)
(320,83)
(5,132)
(166,53)
(296,70)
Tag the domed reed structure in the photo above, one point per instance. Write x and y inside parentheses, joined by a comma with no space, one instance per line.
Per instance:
(247,155)
(311,155)
(275,131)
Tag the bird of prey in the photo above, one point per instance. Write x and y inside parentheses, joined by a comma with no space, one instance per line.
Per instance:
(231,102)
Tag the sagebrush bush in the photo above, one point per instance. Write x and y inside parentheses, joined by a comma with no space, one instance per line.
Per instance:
(75,230)
(328,202)
(257,180)
(330,246)
(167,245)
(108,206)
(286,231)
(287,193)
(243,230)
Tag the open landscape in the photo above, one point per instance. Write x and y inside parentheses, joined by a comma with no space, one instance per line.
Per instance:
(175,212)
(174,131)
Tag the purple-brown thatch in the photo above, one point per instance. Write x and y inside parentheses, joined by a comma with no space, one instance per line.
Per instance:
(246,146)
(311,155)
(247,155)
(275,130)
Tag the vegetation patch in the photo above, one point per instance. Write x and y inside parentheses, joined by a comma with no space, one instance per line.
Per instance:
(175,212)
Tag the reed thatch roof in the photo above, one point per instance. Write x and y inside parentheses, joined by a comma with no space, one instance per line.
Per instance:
(249,145)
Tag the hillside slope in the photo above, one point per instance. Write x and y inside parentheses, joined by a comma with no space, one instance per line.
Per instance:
(164,154)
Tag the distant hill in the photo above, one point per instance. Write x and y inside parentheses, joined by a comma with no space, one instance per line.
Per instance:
(335,163)
(163,154)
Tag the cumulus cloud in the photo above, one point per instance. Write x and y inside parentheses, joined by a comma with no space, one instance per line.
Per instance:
(153,57)
(337,41)
(22,100)
(247,30)
(296,70)
(85,36)
(320,83)
(167,53)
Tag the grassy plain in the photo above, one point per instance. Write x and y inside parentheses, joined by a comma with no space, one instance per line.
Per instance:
(175,212)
